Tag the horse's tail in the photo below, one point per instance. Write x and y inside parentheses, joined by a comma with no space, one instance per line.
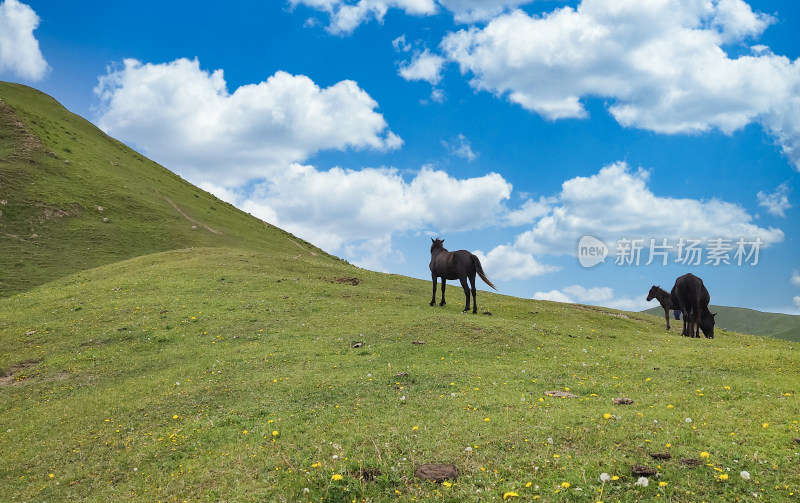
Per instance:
(477,263)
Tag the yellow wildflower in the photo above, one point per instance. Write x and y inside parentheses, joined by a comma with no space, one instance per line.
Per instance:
(337,477)
(510,494)
(565,485)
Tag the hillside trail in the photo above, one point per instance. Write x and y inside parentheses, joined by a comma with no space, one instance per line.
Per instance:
(187,217)
(215,231)
(310,252)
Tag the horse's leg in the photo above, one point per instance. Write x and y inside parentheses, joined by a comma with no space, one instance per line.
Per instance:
(433,299)
(666,315)
(443,285)
(692,324)
(685,313)
(465,286)
(474,300)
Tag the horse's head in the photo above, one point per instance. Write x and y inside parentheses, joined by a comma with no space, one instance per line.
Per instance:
(707,322)
(653,292)
(437,243)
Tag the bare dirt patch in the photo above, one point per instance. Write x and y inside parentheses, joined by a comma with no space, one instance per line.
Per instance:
(436,472)
(643,471)
(368,474)
(348,280)
(26,142)
(47,212)
(16,373)
(560,394)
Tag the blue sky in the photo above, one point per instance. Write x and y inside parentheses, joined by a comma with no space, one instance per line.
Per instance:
(510,128)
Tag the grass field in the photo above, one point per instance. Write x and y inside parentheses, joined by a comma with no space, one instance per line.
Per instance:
(227,375)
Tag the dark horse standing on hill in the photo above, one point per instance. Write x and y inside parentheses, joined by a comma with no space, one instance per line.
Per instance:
(458,265)
(665,299)
(691,295)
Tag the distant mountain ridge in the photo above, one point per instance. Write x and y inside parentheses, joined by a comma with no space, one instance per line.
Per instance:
(750,321)
(73,198)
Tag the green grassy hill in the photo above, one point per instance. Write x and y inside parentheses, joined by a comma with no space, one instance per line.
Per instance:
(72,198)
(216,374)
(247,366)
(750,321)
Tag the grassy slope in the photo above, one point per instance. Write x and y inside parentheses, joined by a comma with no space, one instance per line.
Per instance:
(56,169)
(793,334)
(750,321)
(164,378)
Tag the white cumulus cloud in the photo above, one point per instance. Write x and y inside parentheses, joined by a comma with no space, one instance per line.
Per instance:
(617,203)
(661,65)
(460,147)
(471,11)
(776,203)
(185,117)
(19,50)
(424,66)
(369,206)
(596,296)
(508,263)
(346,16)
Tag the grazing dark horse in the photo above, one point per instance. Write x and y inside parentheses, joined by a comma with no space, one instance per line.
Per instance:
(692,297)
(665,299)
(458,265)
